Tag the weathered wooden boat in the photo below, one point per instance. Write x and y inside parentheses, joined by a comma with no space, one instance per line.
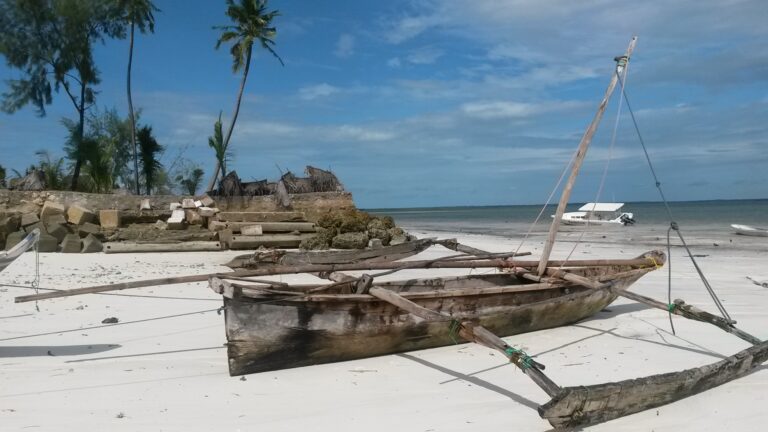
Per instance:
(283,257)
(272,326)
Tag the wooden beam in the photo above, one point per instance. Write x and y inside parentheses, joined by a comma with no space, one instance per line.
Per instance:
(580,154)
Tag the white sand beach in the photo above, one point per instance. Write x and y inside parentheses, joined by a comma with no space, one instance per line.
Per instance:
(163,366)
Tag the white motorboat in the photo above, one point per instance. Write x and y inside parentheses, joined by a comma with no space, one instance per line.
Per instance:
(750,230)
(599,214)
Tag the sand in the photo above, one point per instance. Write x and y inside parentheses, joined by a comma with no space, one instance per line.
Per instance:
(163,366)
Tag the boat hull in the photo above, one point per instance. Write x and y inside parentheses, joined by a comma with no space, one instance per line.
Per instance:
(264,336)
(749,230)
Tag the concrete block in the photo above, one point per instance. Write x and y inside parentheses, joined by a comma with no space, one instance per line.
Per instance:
(58,231)
(14,238)
(225,238)
(145,204)
(206,211)
(109,218)
(216,225)
(56,219)
(10,224)
(29,228)
(198,203)
(174,206)
(29,219)
(188,203)
(71,244)
(91,244)
(207,201)
(87,229)
(176,221)
(161,225)
(193,217)
(79,215)
(51,208)
(47,243)
(251,230)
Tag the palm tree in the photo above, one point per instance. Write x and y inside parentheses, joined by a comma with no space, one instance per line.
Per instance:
(252,24)
(189,185)
(139,13)
(216,142)
(149,148)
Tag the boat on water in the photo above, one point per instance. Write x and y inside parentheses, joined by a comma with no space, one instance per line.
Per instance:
(750,230)
(599,214)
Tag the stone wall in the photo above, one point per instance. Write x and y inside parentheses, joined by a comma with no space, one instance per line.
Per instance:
(313,204)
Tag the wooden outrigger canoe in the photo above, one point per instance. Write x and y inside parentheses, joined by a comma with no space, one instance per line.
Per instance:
(272,327)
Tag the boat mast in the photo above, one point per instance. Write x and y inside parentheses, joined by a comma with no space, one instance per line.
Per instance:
(621,62)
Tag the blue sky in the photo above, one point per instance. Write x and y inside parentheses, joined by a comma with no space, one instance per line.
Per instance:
(447,102)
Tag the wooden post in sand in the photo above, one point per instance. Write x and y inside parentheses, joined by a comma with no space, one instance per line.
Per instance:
(580,154)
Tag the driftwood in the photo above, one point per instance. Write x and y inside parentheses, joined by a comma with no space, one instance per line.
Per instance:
(268,240)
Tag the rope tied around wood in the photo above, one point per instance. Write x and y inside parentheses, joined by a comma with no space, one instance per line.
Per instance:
(520,357)
(671,307)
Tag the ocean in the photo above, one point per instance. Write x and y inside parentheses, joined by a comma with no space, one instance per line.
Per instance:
(701,218)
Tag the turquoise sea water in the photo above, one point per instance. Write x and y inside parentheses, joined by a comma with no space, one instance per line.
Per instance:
(698,216)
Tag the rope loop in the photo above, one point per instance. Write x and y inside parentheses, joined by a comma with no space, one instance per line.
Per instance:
(671,307)
(525,361)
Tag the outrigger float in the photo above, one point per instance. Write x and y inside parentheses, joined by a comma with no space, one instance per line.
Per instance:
(272,325)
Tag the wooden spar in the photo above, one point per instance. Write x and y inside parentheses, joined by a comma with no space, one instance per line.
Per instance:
(191,246)
(584,405)
(580,154)
(680,307)
(473,333)
(315,268)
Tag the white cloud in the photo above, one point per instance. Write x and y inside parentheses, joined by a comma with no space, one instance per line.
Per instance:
(426,55)
(499,109)
(317,91)
(345,46)
(411,26)
(394,62)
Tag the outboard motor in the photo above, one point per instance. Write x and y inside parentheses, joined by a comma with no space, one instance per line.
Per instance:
(626,219)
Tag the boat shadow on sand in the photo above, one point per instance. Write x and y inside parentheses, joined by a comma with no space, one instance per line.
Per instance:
(54,350)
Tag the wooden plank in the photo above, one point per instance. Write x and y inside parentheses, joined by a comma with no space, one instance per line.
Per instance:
(192,246)
(291,216)
(578,159)
(271,240)
(584,405)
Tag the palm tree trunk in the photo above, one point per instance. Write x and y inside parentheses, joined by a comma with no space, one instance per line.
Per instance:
(131,114)
(80,133)
(212,182)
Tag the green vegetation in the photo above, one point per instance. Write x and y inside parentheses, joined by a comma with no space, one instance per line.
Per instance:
(216,142)
(149,149)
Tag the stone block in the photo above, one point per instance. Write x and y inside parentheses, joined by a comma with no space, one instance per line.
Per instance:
(47,243)
(109,218)
(145,204)
(58,231)
(79,215)
(188,203)
(193,217)
(87,229)
(14,238)
(174,206)
(71,244)
(217,225)
(176,221)
(9,224)
(375,243)
(252,230)
(207,201)
(56,219)
(51,208)
(161,225)
(29,219)
(198,203)
(206,211)
(91,244)
(225,238)
(37,225)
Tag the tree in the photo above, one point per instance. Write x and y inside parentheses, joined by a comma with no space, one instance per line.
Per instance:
(191,182)
(216,142)
(137,13)
(2,177)
(51,43)
(252,24)
(113,134)
(52,169)
(95,160)
(149,149)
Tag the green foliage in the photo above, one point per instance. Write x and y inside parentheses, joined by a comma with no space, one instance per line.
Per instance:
(190,182)
(216,142)
(2,177)
(52,169)
(139,13)
(113,135)
(149,149)
(252,23)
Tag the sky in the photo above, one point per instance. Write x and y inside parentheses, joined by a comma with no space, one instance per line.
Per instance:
(423,103)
